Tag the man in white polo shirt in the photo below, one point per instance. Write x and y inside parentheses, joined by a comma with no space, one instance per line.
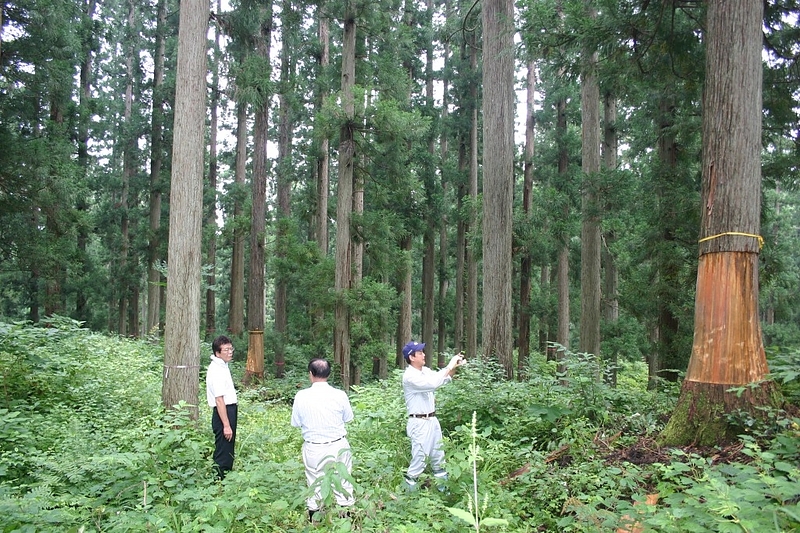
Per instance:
(221,396)
(423,428)
(321,411)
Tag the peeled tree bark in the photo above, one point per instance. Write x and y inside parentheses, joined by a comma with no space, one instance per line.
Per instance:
(728,367)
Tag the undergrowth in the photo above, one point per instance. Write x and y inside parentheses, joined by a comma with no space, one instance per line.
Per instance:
(86,446)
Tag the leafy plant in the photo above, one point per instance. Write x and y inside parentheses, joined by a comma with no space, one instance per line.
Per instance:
(476,510)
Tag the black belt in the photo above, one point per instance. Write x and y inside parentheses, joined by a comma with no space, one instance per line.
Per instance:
(429,415)
(329,442)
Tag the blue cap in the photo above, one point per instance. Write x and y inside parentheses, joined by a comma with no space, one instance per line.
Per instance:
(412,347)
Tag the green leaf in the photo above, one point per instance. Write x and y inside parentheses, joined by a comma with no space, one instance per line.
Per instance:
(462,514)
(494,522)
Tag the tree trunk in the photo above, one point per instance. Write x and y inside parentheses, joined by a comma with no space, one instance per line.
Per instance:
(728,368)
(256,291)
(236,310)
(443,244)
(284,188)
(590,208)
(128,170)
(471,256)
(182,334)
(667,360)
(341,348)
(432,213)
(323,156)
(461,257)
(88,50)
(404,316)
(562,273)
(154,279)
(526,263)
(211,213)
(611,279)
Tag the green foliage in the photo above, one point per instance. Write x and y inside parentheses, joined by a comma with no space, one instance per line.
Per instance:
(85,445)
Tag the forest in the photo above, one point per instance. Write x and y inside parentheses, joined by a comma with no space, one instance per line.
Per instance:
(595,201)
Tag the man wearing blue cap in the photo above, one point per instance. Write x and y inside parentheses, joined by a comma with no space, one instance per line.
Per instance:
(423,427)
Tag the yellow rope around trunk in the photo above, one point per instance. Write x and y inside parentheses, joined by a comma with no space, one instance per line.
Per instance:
(739,233)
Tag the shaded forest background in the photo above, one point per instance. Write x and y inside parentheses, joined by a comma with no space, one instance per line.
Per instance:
(87,93)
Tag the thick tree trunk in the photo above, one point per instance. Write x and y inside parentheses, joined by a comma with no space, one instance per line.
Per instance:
(728,367)
(344,207)
(498,180)
(182,333)
(256,290)
(590,209)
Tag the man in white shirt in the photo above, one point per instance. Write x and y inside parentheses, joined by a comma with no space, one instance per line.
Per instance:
(423,427)
(221,396)
(321,411)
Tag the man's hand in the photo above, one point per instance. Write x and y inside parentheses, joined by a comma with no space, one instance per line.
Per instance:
(227,432)
(455,361)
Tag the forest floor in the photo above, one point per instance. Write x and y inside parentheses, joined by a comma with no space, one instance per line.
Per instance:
(647,451)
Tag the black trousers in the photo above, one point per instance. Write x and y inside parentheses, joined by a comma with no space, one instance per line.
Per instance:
(224,448)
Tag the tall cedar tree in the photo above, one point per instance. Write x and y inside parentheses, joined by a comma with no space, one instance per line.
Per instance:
(182,332)
(728,368)
(498,179)
(344,207)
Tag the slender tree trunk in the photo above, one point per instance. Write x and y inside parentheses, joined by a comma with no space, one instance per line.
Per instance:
(471,256)
(611,279)
(562,273)
(404,316)
(432,212)
(154,278)
(182,333)
(461,252)
(236,311)
(211,217)
(526,263)
(345,197)
(323,155)
(88,49)
(443,245)
(128,171)
(284,186)
(728,368)
(667,359)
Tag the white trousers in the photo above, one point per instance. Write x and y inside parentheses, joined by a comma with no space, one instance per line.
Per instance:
(426,442)
(315,458)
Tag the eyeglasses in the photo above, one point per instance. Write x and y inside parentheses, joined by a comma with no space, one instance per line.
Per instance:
(230,349)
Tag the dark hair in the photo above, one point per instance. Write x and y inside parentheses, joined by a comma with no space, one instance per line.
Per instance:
(219,342)
(319,368)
